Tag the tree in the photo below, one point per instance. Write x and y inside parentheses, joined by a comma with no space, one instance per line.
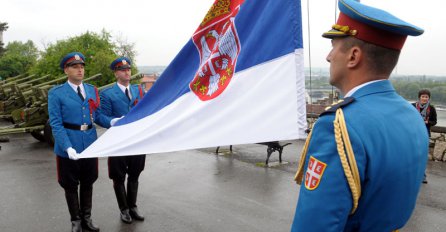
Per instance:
(18,58)
(124,48)
(3,27)
(409,89)
(98,50)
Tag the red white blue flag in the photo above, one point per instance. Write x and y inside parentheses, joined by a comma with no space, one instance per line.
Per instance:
(239,80)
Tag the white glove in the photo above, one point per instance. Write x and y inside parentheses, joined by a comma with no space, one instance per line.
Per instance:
(72,154)
(115,120)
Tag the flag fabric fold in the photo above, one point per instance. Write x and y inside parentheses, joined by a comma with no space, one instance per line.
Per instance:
(238,80)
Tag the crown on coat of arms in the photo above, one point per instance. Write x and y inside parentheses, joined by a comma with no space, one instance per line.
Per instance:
(221,7)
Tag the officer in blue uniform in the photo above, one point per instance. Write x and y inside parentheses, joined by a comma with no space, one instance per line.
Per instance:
(363,162)
(116,101)
(73,108)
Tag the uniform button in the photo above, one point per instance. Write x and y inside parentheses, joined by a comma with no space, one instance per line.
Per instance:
(84,116)
(83,108)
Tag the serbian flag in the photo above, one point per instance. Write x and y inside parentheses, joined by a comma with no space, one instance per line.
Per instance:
(238,80)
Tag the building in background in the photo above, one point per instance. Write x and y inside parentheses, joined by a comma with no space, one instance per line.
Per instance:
(148,80)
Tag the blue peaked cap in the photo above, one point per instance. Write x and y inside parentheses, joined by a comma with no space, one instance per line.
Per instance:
(72,58)
(372,25)
(121,63)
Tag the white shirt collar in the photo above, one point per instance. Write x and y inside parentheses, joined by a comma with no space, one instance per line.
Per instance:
(74,87)
(352,91)
(123,89)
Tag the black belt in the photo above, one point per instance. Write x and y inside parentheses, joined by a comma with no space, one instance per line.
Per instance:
(83,127)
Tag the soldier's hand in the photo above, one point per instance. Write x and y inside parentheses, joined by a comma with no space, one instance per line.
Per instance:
(115,120)
(72,154)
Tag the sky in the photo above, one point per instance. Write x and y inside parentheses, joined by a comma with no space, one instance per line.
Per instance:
(159,29)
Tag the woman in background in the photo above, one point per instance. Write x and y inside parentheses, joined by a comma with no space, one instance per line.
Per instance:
(428,113)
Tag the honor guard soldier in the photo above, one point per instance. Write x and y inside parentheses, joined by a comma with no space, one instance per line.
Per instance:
(73,108)
(116,102)
(363,162)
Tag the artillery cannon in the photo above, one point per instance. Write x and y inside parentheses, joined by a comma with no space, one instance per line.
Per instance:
(5,87)
(17,96)
(34,118)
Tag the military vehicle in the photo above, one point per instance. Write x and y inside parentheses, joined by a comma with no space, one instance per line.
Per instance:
(17,95)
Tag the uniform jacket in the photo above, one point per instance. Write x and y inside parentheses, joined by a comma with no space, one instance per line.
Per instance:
(65,106)
(390,143)
(114,102)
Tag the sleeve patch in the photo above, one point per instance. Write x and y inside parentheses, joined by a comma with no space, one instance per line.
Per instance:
(314,173)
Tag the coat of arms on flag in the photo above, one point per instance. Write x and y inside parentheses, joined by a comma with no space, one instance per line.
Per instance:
(314,173)
(218,45)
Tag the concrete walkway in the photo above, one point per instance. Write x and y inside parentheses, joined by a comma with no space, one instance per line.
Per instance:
(194,190)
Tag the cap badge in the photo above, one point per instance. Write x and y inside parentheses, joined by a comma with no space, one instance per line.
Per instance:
(345,29)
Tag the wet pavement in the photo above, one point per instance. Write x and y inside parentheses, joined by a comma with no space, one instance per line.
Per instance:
(193,190)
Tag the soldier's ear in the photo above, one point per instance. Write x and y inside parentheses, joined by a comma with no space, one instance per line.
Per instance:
(354,57)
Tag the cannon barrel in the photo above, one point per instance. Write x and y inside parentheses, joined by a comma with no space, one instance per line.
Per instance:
(3,87)
(133,77)
(52,81)
(92,77)
(9,79)
(18,81)
(15,88)
(28,92)
(34,80)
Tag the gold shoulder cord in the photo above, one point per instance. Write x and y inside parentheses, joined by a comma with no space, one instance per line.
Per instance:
(300,170)
(349,165)
(350,168)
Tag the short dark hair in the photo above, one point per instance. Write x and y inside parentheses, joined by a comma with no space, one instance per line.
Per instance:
(380,60)
(423,92)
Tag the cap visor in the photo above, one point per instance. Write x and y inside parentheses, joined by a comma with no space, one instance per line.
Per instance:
(123,67)
(75,62)
(333,34)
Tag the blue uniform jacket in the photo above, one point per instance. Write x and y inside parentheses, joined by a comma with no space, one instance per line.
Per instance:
(64,105)
(390,144)
(114,102)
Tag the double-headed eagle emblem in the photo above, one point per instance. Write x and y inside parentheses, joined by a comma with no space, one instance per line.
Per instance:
(219,47)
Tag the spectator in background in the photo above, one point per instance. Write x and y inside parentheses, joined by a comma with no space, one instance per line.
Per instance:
(428,113)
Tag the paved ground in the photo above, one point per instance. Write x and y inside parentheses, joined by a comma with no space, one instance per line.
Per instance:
(181,191)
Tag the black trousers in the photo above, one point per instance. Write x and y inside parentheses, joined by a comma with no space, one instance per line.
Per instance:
(119,166)
(71,173)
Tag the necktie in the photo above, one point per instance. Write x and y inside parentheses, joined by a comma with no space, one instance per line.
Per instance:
(79,93)
(127,93)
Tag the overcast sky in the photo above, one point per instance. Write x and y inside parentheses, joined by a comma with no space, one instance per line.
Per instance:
(160,29)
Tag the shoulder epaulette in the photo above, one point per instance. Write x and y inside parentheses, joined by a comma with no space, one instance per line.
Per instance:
(106,89)
(89,84)
(341,103)
(55,87)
